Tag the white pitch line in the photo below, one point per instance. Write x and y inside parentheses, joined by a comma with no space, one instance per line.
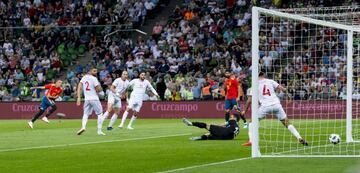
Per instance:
(305,148)
(95,142)
(204,165)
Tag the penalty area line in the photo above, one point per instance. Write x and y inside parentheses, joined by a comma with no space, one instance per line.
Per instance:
(205,165)
(94,142)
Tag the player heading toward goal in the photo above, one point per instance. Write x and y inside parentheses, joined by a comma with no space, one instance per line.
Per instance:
(54,91)
(139,87)
(90,85)
(270,104)
(233,90)
(118,91)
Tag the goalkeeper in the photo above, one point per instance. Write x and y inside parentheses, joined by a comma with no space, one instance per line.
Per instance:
(217,132)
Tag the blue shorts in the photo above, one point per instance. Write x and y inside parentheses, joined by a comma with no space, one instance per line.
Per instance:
(230,104)
(45,103)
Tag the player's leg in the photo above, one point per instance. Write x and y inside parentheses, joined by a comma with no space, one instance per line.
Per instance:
(125,114)
(132,120)
(52,110)
(96,104)
(87,112)
(281,115)
(202,137)
(110,103)
(43,106)
(117,106)
(262,114)
(228,107)
(113,118)
(136,109)
(196,124)
(238,109)
(131,105)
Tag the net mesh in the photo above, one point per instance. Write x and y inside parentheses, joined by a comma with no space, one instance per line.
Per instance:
(310,61)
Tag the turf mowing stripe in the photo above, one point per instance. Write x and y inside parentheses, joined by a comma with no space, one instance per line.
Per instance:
(95,142)
(204,165)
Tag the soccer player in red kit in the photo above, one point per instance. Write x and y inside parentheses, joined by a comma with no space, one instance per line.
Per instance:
(54,91)
(232,97)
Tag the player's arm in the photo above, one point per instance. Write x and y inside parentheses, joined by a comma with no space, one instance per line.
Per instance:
(78,93)
(283,89)
(113,89)
(98,89)
(239,91)
(152,89)
(247,105)
(38,87)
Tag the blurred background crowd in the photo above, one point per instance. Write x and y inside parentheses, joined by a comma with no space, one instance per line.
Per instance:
(185,55)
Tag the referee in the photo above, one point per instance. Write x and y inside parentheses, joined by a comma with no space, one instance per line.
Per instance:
(217,132)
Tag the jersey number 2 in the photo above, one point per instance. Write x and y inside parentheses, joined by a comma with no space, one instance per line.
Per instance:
(87,86)
(266,91)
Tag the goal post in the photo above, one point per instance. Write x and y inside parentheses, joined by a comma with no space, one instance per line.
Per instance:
(308,48)
(349,88)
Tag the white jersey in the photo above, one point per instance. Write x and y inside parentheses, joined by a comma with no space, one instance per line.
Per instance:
(140,87)
(89,83)
(267,95)
(120,85)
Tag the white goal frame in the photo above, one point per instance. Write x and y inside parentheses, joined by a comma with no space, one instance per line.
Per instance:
(256,11)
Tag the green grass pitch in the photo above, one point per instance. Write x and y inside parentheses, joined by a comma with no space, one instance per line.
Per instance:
(154,146)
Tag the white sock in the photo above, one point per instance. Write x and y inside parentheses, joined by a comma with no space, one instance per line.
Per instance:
(106,114)
(294,131)
(124,118)
(100,122)
(112,120)
(84,121)
(133,118)
(249,132)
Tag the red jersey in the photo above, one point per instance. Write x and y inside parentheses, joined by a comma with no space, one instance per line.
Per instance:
(53,91)
(232,86)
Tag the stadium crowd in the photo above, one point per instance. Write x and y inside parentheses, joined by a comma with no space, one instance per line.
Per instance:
(42,37)
(185,58)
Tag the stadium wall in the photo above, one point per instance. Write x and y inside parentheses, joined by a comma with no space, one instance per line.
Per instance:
(193,109)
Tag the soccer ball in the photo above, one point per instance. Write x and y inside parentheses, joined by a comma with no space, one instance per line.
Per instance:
(334,138)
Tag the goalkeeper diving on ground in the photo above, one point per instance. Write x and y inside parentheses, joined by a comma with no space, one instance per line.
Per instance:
(217,132)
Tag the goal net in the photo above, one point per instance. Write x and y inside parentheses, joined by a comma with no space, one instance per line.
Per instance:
(314,53)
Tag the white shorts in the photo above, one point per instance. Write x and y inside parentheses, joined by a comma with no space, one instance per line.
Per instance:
(276,110)
(135,104)
(114,100)
(92,105)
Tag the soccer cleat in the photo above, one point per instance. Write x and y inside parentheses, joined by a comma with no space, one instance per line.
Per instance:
(30,124)
(120,127)
(130,128)
(246,125)
(302,141)
(187,122)
(247,144)
(196,138)
(109,128)
(101,133)
(80,131)
(45,119)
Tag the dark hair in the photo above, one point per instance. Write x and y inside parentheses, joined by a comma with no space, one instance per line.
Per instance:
(142,71)
(262,74)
